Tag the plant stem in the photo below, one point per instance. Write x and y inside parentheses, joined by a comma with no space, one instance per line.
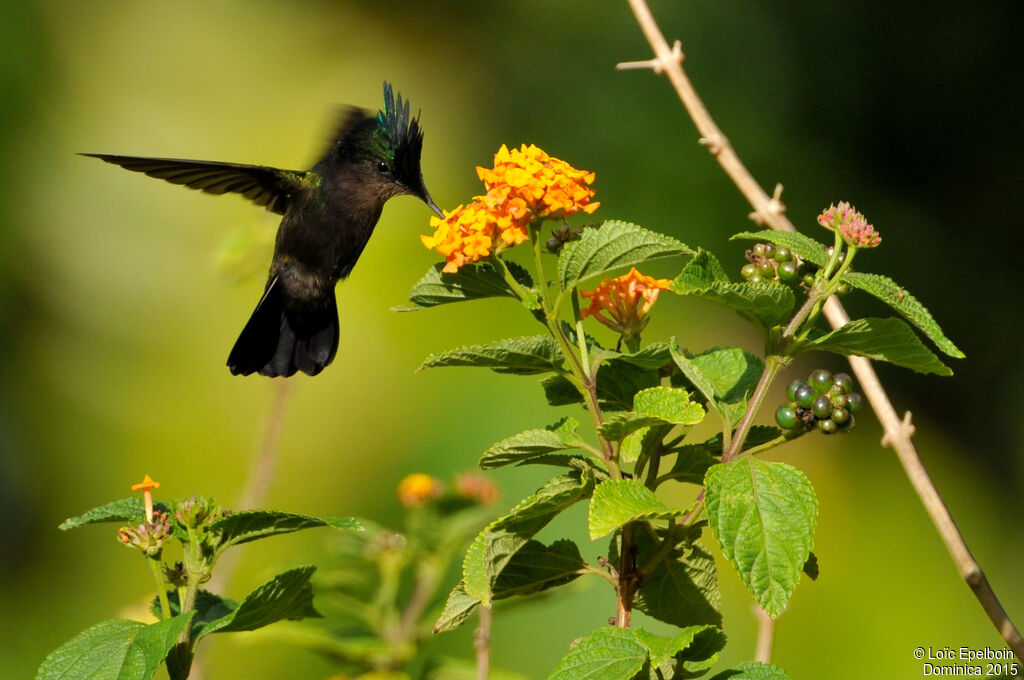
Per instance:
(161,586)
(772,366)
(771,211)
(765,636)
(482,643)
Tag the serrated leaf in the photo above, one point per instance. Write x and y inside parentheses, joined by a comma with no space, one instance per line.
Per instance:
(471,282)
(670,404)
(606,654)
(701,654)
(613,246)
(804,246)
(128,510)
(207,607)
(619,501)
(534,568)
(250,525)
(651,357)
(457,609)
(286,596)
(621,425)
(682,589)
(532,444)
(702,271)
(890,340)
(763,304)
(520,356)
(889,292)
(117,649)
(754,670)
(617,383)
(662,650)
(498,543)
(763,515)
(725,377)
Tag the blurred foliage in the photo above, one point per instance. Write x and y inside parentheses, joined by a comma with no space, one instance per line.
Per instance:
(116,321)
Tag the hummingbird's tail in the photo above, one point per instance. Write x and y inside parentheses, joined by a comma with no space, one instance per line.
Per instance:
(284,335)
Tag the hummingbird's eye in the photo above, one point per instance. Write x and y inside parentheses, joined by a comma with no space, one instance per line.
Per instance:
(382,166)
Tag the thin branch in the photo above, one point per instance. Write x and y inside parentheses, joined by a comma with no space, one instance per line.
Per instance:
(770,211)
(261,475)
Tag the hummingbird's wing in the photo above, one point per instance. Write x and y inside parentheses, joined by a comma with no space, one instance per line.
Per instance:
(269,187)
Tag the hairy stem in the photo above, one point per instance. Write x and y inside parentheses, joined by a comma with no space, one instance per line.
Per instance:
(482,643)
(765,636)
(161,586)
(770,210)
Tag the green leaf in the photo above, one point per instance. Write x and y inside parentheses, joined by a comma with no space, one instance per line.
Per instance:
(613,246)
(887,290)
(250,525)
(763,515)
(651,357)
(682,589)
(520,356)
(621,425)
(606,654)
(619,501)
(701,272)
(806,247)
(536,567)
(128,510)
(664,650)
(754,670)
(498,543)
(117,649)
(459,607)
(763,304)
(701,655)
(617,383)
(889,340)
(531,444)
(286,596)
(669,404)
(471,282)
(725,377)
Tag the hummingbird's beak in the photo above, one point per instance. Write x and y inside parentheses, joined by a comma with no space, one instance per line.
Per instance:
(433,206)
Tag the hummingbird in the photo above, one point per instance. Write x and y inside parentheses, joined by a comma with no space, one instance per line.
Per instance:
(329,213)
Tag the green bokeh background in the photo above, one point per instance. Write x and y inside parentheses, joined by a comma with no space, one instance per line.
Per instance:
(115,319)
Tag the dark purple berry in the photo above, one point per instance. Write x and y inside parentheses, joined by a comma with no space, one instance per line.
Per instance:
(853,402)
(844,381)
(804,396)
(822,407)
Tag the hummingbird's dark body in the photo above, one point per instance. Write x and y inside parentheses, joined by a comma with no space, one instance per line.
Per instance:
(329,214)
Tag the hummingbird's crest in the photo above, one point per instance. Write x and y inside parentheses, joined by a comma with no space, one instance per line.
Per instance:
(403,137)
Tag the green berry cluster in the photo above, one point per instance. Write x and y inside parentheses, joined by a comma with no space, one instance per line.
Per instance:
(769,262)
(824,401)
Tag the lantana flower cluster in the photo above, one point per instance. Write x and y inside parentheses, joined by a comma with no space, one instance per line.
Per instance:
(851,225)
(525,185)
(622,303)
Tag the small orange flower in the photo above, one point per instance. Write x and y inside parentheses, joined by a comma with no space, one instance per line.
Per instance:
(622,303)
(476,487)
(146,486)
(525,185)
(418,489)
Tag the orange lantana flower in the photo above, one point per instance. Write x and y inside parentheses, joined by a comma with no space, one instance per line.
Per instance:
(622,303)
(524,186)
